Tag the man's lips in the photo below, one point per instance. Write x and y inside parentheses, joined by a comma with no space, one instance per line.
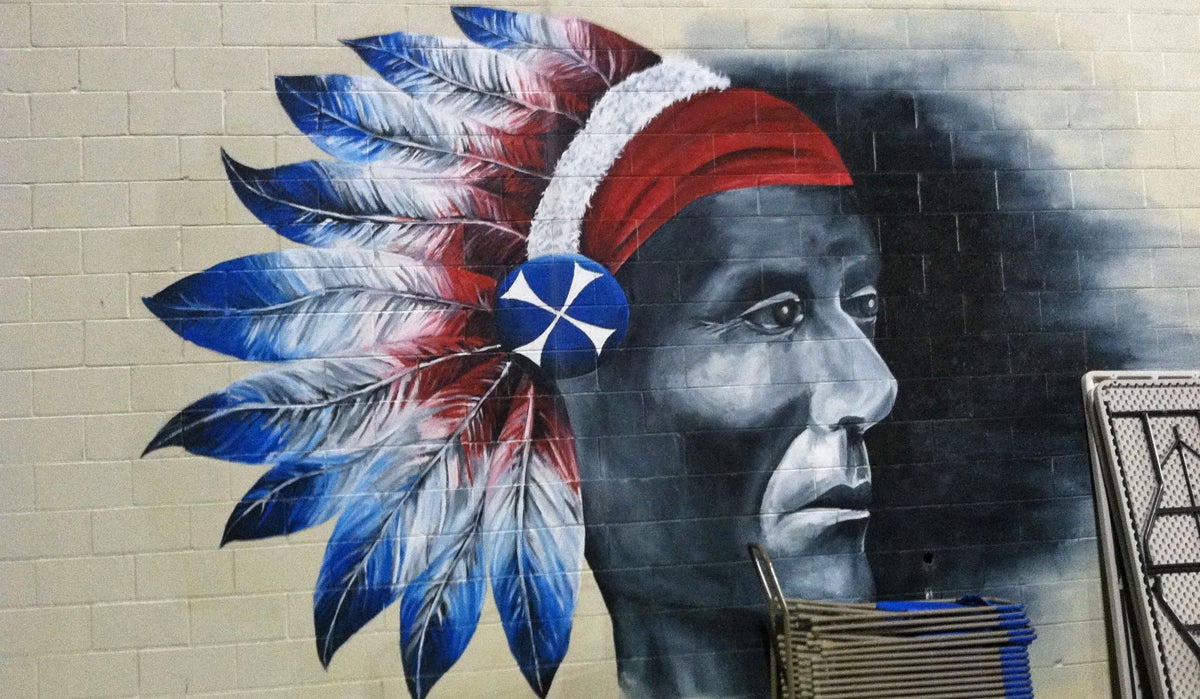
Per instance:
(822,468)
(843,497)
(816,499)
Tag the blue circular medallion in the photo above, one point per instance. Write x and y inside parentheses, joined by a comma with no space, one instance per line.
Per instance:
(561,312)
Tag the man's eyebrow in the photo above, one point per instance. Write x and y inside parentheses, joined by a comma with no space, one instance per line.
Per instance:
(722,283)
(790,279)
(747,285)
(864,266)
(849,247)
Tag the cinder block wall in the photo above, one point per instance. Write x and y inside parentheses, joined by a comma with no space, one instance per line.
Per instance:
(1064,117)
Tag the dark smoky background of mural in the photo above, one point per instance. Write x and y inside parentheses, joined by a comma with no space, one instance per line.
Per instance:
(1005,278)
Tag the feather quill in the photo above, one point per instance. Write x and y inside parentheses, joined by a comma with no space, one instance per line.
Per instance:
(462,78)
(359,119)
(581,56)
(304,304)
(533,534)
(342,205)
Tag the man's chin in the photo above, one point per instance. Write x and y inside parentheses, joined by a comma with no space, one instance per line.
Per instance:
(818,554)
(844,577)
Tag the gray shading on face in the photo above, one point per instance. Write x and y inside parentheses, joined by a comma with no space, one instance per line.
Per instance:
(734,410)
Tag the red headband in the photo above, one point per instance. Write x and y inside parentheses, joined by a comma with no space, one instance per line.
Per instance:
(713,142)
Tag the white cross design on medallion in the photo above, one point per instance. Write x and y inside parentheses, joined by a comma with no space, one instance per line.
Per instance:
(580,279)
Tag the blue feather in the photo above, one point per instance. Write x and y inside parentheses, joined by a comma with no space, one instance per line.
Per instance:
(360,574)
(503,29)
(338,205)
(302,304)
(346,406)
(360,119)
(349,117)
(400,499)
(443,569)
(292,496)
(282,414)
(461,78)
(534,570)
(533,536)
(580,55)
(440,611)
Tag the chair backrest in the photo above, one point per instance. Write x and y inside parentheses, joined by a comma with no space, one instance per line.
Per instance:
(1144,434)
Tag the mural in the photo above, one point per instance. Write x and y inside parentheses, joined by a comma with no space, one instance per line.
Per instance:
(562,296)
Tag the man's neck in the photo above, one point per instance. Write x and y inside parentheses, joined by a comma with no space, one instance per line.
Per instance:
(689,653)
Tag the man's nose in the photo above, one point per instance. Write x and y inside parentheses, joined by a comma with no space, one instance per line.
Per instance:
(850,383)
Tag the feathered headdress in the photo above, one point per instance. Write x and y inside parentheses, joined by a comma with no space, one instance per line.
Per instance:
(415,401)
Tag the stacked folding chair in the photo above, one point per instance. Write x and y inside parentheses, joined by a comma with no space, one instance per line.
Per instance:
(937,649)
(1144,435)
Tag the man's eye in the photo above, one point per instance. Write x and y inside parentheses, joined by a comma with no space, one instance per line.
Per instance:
(777,314)
(863,304)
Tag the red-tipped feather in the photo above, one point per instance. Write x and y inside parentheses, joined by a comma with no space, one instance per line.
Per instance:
(536,427)
(533,532)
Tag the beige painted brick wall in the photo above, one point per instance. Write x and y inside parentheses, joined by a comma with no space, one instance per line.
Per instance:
(111,118)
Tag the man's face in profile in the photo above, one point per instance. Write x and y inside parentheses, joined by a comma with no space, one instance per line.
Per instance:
(749,352)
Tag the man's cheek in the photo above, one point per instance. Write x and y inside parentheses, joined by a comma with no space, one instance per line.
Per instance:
(723,407)
(733,366)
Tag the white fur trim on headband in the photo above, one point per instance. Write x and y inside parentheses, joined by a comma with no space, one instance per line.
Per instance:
(618,116)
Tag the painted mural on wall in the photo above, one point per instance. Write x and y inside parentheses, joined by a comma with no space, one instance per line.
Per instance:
(562,296)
